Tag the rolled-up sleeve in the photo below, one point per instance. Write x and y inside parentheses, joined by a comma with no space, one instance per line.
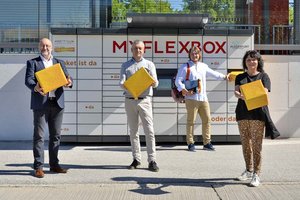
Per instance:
(153,74)
(122,77)
(180,78)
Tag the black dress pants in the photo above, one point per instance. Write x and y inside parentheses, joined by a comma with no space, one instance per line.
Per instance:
(53,116)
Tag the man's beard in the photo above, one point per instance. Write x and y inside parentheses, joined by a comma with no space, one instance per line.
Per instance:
(45,53)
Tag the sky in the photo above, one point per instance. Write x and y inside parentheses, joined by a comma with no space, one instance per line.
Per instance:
(176,4)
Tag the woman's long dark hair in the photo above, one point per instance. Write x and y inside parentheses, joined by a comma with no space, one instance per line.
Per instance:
(254,54)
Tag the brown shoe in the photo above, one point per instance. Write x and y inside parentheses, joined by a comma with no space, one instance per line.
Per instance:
(39,173)
(58,170)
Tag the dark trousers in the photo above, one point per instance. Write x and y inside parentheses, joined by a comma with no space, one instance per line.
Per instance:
(53,116)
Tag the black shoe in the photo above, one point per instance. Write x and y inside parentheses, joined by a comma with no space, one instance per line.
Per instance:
(135,164)
(191,147)
(153,166)
(209,147)
(58,170)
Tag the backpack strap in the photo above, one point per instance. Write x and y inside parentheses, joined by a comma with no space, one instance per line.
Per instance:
(199,86)
(188,71)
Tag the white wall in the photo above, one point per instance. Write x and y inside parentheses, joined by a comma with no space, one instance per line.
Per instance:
(16,120)
(284,72)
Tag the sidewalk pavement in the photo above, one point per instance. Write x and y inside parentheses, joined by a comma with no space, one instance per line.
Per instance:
(100,172)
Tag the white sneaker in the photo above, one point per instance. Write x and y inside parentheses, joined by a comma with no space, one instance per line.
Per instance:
(255,180)
(246,175)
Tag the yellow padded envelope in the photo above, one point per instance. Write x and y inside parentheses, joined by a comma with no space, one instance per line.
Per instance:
(138,82)
(255,94)
(51,78)
(233,74)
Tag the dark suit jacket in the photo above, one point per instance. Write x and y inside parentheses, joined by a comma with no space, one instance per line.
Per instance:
(37,100)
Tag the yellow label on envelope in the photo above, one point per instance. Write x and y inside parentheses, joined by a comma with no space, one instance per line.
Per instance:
(51,78)
(138,82)
(255,94)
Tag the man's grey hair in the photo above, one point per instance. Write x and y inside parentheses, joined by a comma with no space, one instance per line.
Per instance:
(135,42)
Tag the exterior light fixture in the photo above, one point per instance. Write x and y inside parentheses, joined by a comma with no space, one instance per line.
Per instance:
(162,20)
(204,20)
(129,19)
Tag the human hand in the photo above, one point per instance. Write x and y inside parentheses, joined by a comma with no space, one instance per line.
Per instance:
(37,88)
(69,84)
(228,77)
(186,92)
(239,95)
(153,84)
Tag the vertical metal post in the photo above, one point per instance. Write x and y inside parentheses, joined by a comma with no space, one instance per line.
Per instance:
(266,16)
(38,19)
(296,21)
(274,35)
(250,10)
(259,34)
(93,13)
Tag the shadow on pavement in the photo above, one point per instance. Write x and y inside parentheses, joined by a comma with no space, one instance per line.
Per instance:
(30,171)
(16,172)
(116,149)
(67,166)
(27,145)
(154,186)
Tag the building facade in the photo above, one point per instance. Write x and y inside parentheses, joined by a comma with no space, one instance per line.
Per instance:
(87,35)
(23,23)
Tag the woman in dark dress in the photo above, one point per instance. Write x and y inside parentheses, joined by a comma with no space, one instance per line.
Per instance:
(251,123)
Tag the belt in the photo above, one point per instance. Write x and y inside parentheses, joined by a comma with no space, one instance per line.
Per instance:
(138,98)
(51,98)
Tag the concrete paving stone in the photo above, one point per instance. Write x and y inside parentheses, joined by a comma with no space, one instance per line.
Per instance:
(100,172)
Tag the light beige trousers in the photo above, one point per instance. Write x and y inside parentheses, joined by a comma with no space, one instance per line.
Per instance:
(142,109)
(202,108)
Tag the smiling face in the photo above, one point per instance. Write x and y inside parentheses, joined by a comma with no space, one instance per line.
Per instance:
(195,54)
(252,64)
(45,48)
(138,49)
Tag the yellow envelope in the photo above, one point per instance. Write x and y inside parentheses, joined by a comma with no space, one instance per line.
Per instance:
(233,74)
(51,78)
(138,82)
(255,94)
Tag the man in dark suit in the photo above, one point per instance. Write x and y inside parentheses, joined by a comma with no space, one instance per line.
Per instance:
(47,108)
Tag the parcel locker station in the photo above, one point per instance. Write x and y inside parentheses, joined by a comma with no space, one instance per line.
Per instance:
(95,110)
